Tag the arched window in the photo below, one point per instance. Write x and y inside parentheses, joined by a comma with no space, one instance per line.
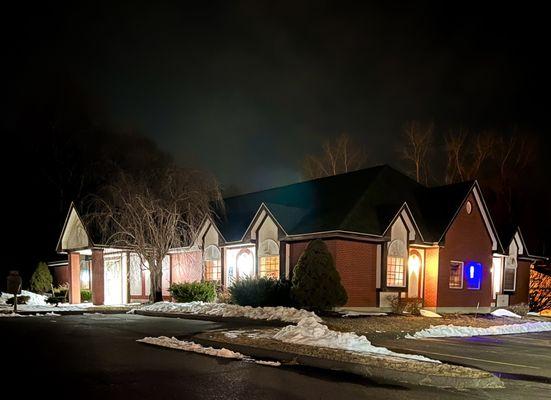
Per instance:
(212,264)
(510,274)
(395,264)
(268,253)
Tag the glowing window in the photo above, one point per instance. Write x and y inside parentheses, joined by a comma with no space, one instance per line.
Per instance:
(395,264)
(473,275)
(469,207)
(456,275)
(510,274)
(269,266)
(212,264)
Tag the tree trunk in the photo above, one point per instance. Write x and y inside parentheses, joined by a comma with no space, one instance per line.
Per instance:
(156,279)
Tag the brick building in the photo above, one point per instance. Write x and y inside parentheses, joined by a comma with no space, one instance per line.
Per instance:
(389,236)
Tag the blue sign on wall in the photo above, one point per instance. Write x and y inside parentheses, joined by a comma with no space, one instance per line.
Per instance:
(473,275)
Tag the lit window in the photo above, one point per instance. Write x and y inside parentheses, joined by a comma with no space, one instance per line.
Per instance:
(269,266)
(268,253)
(212,264)
(395,264)
(456,275)
(473,275)
(510,275)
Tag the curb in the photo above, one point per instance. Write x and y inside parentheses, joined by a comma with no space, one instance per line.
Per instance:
(378,374)
(69,312)
(213,318)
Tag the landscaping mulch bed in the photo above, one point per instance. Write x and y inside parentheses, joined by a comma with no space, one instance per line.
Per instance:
(398,326)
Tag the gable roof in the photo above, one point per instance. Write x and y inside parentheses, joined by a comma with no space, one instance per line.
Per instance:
(363,201)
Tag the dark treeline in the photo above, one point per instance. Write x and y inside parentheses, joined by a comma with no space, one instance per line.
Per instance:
(61,148)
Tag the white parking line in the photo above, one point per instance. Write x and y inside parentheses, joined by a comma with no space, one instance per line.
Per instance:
(469,358)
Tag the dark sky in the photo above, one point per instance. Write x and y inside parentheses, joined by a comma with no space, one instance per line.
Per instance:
(246,88)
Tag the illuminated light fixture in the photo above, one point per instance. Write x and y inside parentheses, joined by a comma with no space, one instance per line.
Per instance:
(471,272)
(414,263)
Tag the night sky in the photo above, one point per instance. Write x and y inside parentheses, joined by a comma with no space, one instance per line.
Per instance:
(247,88)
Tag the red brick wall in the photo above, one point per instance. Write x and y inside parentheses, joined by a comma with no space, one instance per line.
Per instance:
(356,263)
(74,278)
(466,240)
(98,278)
(60,275)
(523,284)
(430,294)
(186,267)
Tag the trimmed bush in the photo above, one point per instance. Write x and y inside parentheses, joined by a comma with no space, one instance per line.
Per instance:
(316,281)
(520,309)
(194,291)
(85,295)
(20,300)
(41,280)
(62,291)
(261,292)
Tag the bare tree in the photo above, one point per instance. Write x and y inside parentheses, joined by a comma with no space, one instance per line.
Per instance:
(152,214)
(337,157)
(416,151)
(467,154)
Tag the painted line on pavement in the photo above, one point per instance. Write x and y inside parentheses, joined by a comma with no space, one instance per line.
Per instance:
(469,358)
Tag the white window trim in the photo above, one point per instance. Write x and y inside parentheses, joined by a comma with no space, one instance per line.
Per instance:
(505,268)
(404,268)
(462,272)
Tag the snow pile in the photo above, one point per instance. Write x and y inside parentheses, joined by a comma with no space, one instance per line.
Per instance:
(184,345)
(429,314)
(465,331)
(349,314)
(310,332)
(286,314)
(504,313)
(34,300)
(10,315)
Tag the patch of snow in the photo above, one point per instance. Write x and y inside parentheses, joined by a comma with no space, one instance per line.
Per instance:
(4,315)
(430,314)
(311,332)
(348,314)
(467,331)
(533,313)
(501,312)
(269,363)
(286,314)
(34,300)
(184,345)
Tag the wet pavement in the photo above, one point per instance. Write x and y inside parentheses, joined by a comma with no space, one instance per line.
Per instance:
(97,356)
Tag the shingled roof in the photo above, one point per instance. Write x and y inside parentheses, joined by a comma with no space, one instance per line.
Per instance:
(363,201)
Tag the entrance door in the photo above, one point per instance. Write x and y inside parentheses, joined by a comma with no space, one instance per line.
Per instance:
(245,264)
(113,280)
(414,268)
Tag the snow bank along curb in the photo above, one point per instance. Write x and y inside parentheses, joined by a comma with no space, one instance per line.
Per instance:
(310,332)
(173,343)
(285,314)
(373,366)
(466,331)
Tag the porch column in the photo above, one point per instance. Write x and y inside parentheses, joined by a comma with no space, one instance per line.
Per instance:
(98,280)
(74,278)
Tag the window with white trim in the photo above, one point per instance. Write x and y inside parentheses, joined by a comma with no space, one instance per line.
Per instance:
(510,274)
(395,264)
(456,275)
(212,264)
(268,252)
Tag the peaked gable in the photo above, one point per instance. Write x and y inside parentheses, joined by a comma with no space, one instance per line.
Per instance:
(73,235)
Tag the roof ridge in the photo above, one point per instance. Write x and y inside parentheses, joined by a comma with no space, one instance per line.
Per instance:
(380,166)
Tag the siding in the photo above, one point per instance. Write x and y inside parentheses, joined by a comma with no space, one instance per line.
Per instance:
(523,284)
